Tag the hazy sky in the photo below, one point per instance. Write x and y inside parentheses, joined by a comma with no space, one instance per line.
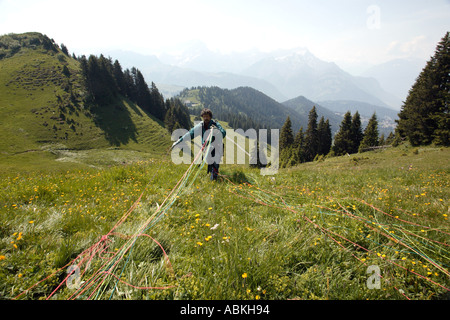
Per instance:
(349,32)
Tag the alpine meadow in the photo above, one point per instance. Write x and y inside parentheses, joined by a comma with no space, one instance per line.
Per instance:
(92,207)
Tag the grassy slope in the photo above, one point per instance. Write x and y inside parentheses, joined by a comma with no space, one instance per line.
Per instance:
(292,247)
(41,122)
(257,250)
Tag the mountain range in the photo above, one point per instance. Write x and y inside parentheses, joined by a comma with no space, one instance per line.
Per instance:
(282,75)
(263,87)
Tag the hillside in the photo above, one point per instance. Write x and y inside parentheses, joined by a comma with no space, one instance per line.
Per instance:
(310,232)
(243,107)
(43,106)
(139,227)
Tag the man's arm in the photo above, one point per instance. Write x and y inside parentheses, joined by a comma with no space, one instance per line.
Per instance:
(218,126)
(190,133)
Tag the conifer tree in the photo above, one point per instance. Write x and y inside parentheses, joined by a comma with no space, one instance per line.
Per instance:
(424,117)
(177,115)
(299,145)
(143,98)
(356,133)
(390,138)
(64,49)
(286,135)
(170,119)
(286,144)
(130,89)
(325,137)
(343,139)
(370,134)
(119,78)
(311,136)
(382,140)
(157,100)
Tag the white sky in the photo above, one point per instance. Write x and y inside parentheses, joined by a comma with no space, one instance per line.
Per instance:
(349,32)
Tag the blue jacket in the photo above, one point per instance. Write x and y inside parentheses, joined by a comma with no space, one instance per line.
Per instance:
(196,129)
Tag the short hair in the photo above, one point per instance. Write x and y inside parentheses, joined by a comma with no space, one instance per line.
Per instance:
(206,111)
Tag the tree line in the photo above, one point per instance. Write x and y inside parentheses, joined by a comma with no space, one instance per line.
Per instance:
(105,81)
(304,146)
(317,141)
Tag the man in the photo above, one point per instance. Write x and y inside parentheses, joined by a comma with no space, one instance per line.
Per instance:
(205,125)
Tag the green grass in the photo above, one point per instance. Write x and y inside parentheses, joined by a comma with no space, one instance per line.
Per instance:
(43,114)
(301,234)
(70,173)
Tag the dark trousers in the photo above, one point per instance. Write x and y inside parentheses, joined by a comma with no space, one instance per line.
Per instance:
(214,170)
(214,167)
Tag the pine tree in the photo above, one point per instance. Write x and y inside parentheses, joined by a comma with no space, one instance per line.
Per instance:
(424,117)
(382,140)
(170,118)
(299,146)
(286,135)
(441,116)
(311,136)
(64,49)
(143,98)
(130,89)
(286,144)
(177,115)
(356,133)
(343,139)
(370,134)
(390,138)
(325,137)
(119,78)
(157,100)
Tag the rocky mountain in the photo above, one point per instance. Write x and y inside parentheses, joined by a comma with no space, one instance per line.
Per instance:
(303,74)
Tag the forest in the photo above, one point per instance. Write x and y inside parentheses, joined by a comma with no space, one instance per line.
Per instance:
(106,80)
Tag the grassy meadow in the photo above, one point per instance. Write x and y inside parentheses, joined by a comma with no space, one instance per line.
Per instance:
(309,232)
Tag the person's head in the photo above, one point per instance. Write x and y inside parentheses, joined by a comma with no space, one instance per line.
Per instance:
(206,115)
